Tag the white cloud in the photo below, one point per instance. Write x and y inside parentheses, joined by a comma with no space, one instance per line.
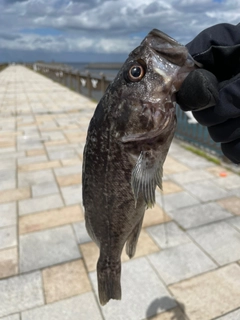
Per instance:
(105,26)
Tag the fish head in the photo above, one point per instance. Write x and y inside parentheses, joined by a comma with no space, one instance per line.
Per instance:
(146,86)
(143,107)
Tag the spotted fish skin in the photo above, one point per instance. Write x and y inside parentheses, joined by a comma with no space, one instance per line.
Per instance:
(127,142)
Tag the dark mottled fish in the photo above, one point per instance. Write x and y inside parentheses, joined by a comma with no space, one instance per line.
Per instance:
(127,143)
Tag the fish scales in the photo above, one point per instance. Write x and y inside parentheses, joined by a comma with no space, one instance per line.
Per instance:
(127,142)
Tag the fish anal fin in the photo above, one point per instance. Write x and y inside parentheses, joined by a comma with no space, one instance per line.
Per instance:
(146,175)
(132,240)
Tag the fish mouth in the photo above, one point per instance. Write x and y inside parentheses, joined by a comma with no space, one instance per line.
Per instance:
(166,47)
(163,129)
(175,52)
(163,37)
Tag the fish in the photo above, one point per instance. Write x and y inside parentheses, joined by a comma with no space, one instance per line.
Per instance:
(127,143)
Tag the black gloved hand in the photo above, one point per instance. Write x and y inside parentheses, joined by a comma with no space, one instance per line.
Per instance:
(213,93)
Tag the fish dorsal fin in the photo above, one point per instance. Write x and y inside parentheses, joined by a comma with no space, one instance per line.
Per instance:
(146,175)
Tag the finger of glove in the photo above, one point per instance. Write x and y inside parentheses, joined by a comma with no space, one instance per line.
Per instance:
(198,91)
(227,107)
(232,150)
(226,131)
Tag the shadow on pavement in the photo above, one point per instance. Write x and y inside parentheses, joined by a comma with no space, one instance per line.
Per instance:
(163,304)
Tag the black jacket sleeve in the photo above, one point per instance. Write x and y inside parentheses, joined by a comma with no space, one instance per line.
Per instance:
(213,92)
(218,49)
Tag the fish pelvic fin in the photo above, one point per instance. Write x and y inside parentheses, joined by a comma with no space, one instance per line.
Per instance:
(146,175)
(108,275)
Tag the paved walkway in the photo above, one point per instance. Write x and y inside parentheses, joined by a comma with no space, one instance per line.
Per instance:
(187,261)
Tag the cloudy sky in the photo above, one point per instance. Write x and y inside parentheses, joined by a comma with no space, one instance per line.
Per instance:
(100,30)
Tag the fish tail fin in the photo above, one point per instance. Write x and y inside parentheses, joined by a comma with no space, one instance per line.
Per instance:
(109,285)
(132,240)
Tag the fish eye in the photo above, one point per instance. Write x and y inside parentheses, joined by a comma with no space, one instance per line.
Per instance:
(136,73)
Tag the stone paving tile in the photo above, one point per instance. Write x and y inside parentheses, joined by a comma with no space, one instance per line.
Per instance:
(40,204)
(39,166)
(210,295)
(7,164)
(196,161)
(181,262)
(69,180)
(230,182)
(231,204)
(140,287)
(168,235)
(68,170)
(8,184)
(220,240)
(72,194)
(7,174)
(35,159)
(55,135)
(8,262)
(154,216)
(231,316)
(173,166)
(12,317)
(20,293)
(28,145)
(35,152)
(90,253)
(43,189)
(81,232)
(206,190)
(8,237)
(62,154)
(55,143)
(8,215)
(83,307)
(46,248)
(234,221)
(234,192)
(199,215)
(49,219)
(12,155)
(68,148)
(190,176)
(7,150)
(30,178)
(176,200)
(218,170)
(174,314)
(65,280)
(14,194)
(170,187)
(7,143)
(71,162)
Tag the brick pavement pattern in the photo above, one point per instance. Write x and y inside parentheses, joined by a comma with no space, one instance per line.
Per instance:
(187,260)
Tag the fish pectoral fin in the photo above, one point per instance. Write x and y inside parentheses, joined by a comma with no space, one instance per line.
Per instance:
(146,175)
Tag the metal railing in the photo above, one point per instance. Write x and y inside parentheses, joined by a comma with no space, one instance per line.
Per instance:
(85,83)
(3,66)
(192,132)
(95,85)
